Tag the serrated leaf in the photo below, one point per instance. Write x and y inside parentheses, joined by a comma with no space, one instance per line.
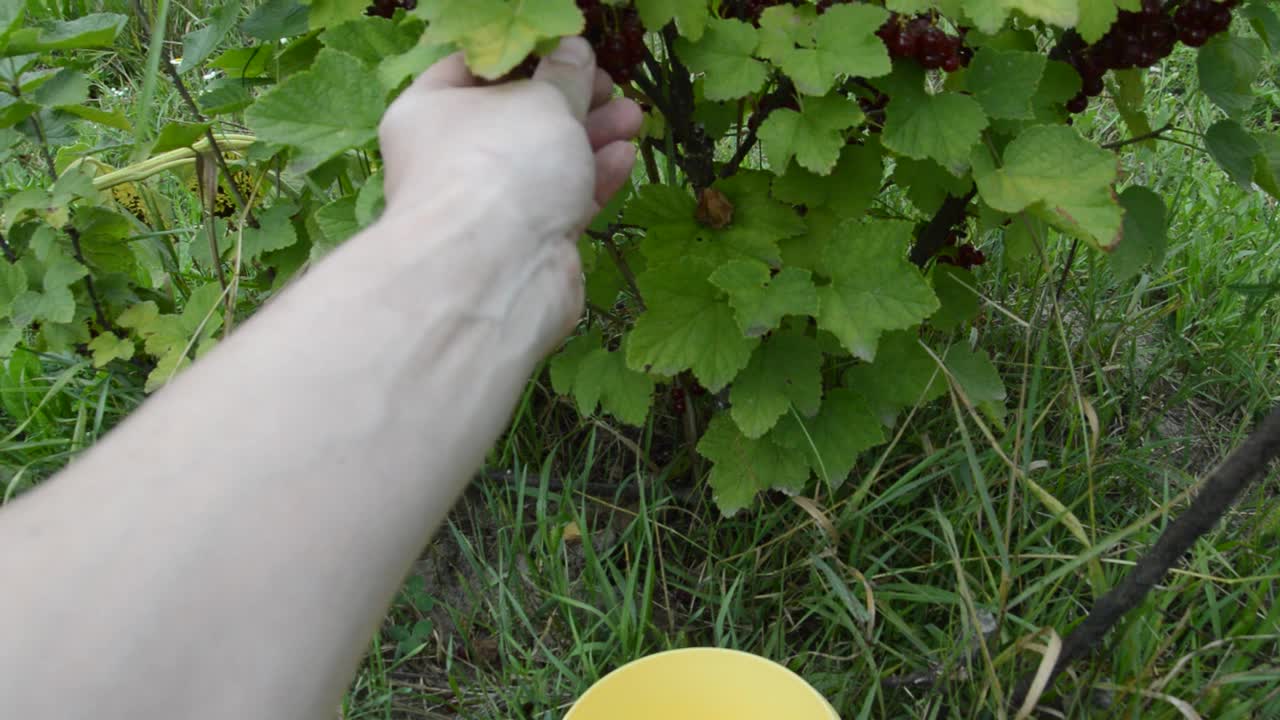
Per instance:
(1057,170)
(328,13)
(275,231)
(761,301)
(873,288)
(95,30)
(954,287)
(107,347)
(687,326)
(371,40)
(14,111)
(979,380)
(813,136)
(104,239)
(902,375)
(13,283)
(199,44)
(784,372)
(276,20)
(1234,149)
(371,200)
(833,440)
(691,16)
(745,467)
(1145,225)
(928,184)
(815,50)
(622,392)
(847,191)
(496,35)
(567,363)
(54,302)
(724,54)
(336,222)
(225,95)
(1228,65)
(332,107)
(673,233)
(393,71)
(176,135)
(1004,81)
(943,127)
(1096,18)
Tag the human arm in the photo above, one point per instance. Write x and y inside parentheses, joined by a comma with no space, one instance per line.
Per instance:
(228,550)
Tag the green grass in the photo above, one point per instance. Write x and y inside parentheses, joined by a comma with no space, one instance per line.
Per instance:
(588,555)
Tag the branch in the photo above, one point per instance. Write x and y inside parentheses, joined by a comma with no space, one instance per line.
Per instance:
(9,254)
(88,280)
(1219,492)
(767,105)
(606,238)
(241,203)
(934,235)
(1139,138)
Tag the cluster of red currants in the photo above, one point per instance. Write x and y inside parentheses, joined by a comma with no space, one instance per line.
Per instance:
(919,38)
(1142,39)
(387,8)
(617,36)
(966,256)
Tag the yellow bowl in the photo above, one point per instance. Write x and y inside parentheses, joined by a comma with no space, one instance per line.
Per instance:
(702,684)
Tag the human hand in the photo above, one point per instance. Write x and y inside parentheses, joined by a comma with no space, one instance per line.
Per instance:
(545,153)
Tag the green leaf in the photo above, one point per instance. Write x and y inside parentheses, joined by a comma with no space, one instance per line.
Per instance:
(812,136)
(1004,81)
(848,190)
(622,392)
(873,287)
(333,107)
(176,135)
(955,288)
(274,232)
(336,222)
(107,347)
(245,62)
(979,381)
(225,95)
(687,326)
(1143,242)
(784,372)
(673,233)
(104,239)
(928,184)
(990,15)
(96,30)
(567,363)
(1234,149)
(745,467)
(1228,65)
(759,300)
(902,375)
(1266,164)
(199,44)
(329,13)
(14,111)
(815,50)
(67,87)
(724,54)
(275,20)
(1065,177)
(371,200)
(833,440)
(691,16)
(1096,18)
(371,40)
(114,119)
(393,71)
(1265,22)
(496,35)
(54,302)
(13,283)
(943,127)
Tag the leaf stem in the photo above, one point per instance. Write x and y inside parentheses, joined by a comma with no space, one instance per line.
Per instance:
(606,238)
(9,254)
(1154,134)
(88,280)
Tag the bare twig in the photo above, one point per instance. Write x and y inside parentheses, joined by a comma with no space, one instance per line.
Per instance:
(767,105)
(1219,492)
(606,238)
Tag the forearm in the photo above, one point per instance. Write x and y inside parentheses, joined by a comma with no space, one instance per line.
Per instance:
(336,428)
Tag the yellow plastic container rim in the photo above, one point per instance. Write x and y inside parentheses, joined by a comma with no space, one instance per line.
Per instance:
(702,683)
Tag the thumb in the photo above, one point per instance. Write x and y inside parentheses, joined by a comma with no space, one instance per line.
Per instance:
(571,70)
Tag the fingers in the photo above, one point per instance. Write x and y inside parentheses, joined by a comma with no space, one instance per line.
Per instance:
(448,72)
(619,119)
(602,90)
(613,167)
(571,70)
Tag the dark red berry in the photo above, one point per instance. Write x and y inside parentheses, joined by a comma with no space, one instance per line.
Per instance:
(1078,104)
(1193,36)
(951,63)
(1092,86)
